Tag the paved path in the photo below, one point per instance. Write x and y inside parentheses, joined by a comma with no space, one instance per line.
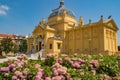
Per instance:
(5,59)
(30,57)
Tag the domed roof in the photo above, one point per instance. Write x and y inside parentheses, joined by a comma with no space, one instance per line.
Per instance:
(60,10)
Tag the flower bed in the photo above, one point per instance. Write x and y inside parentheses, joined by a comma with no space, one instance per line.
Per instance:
(72,67)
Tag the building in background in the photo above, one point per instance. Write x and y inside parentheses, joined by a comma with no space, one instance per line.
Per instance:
(64,34)
(16,39)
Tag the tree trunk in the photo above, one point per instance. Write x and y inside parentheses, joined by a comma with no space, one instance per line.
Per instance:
(1,53)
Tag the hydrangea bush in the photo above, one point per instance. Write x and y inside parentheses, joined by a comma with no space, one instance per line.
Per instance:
(64,67)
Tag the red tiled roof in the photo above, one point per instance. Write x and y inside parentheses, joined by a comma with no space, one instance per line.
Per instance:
(7,35)
(12,36)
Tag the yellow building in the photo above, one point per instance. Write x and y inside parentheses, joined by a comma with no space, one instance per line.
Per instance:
(16,39)
(64,34)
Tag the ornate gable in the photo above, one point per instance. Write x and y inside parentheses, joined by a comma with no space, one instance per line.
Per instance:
(112,24)
(38,29)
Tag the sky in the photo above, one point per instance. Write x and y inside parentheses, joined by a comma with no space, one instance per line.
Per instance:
(21,16)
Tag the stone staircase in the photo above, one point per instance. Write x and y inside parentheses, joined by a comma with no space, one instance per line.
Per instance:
(35,56)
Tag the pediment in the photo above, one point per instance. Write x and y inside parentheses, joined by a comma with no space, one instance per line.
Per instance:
(112,24)
(38,29)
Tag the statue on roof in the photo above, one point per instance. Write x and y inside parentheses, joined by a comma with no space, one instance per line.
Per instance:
(61,3)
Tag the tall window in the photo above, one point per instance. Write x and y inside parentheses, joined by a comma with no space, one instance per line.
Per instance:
(58,45)
(50,46)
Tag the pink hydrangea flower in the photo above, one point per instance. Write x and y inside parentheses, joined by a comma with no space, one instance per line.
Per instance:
(56,78)
(55,73)
(39,73)
(40,70)
(6,74)
(10,61)
(64,55)
(58,69)
(77,65)
(37,77)
(14,78)
(48,78)
(23,56)
(67,59)
(25,62)
(25,72)
(71,62)
(94,72)
(37,66)
(11,66)
(53,69)
(80,60)
(82,73)
(74,59)
(75,55)
(22,76)
(49,55)
(70,79)
(94,62)
(56,65)
(4,69)
(19,65)
(63,77)
(59,60)
(13,69)
(64,68)
(18,73)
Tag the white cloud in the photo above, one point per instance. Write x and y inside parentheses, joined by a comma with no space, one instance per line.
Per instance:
(3,9)
(2,12)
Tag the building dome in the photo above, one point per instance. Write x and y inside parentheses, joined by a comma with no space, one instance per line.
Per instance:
(60,10)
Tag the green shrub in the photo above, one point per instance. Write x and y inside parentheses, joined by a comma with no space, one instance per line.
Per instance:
(49,61)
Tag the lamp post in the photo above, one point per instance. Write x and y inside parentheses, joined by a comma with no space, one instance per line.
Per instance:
(89,44)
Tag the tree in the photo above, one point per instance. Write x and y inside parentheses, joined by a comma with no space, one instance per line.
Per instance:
(7,44)
(15,48)
(118,48)
(1,50)
(23,46)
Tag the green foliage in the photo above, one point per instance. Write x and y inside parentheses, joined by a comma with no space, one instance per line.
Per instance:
(1,50)
(47,71)
(73,73)
(49,61)
(66,64)
(7,45)
(103,69)
(23,46)
(109,65)
(89,76)
(15,49)
(31,76)
(3,64)
(33,62)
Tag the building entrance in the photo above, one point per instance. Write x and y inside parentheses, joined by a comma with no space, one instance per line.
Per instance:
(40,46)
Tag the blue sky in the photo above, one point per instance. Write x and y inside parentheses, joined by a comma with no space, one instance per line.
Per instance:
(21,16)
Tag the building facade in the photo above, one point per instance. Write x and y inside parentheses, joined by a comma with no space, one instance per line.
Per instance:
(64,34)
(16,39)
